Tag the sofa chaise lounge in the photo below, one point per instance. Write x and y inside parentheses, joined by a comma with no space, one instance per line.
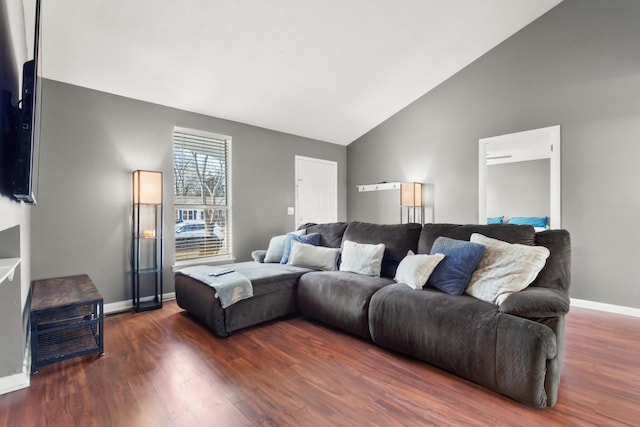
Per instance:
(514,348)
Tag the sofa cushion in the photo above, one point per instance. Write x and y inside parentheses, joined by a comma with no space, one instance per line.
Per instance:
(309,238)
(274,295)
(469,338)
(536,303)
(505,268)
(316,257)
(556,273)
(362,258)
(414,270)
(339,298)
(456,333)
(258,255)
(398,239)
(330,234)
(511,233)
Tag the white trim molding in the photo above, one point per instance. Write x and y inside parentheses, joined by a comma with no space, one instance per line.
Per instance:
(120,306)
(14,382)
(532,144)
(609,308)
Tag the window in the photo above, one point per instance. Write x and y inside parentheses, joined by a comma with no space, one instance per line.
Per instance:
(202,192)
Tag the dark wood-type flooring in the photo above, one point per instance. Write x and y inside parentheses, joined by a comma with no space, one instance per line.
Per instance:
(162,368)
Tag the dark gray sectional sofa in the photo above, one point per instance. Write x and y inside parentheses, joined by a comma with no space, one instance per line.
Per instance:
(514,348)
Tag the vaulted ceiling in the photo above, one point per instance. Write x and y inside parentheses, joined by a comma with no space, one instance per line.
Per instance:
(330,70)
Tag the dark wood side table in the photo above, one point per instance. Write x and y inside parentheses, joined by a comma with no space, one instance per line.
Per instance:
(67,319)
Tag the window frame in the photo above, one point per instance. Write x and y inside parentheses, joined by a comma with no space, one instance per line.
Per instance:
(228,208)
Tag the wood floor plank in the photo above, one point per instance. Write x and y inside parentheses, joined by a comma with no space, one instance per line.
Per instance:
(162,368)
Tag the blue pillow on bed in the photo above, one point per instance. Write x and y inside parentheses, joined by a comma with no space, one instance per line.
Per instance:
(541,222)
(312,239)
(453,273)
(495,220)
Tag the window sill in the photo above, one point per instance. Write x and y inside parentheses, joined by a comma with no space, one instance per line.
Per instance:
(214,260)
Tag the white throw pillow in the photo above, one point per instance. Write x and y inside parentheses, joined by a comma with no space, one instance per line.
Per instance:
(276,246)
(362,258)
(414,270)
(310,256)
(504,268)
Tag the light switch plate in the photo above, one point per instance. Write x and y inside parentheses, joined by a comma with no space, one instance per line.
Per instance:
(290,211)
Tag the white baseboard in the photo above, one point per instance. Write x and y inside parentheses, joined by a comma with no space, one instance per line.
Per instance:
(609,308)
(119,306)
(14,382)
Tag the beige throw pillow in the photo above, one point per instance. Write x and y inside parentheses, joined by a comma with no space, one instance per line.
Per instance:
(414,270)
(310,256)
(362,258)
(505,268)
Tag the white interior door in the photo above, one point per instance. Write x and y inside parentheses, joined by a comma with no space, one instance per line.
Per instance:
(316,191)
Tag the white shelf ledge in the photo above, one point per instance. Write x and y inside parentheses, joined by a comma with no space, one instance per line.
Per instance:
(7,268)
(379,187)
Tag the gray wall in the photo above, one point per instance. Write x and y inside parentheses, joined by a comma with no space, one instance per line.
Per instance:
(91,143)
(577,66)
(519,189)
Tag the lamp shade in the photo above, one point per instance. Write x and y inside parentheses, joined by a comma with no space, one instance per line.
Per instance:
(147,187)
(411,194)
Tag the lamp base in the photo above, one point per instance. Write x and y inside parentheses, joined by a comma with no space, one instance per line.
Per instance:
(411,214)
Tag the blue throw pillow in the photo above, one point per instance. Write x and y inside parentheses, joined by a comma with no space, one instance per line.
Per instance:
(454,272)
(495,220)
(312,239)
(530,220)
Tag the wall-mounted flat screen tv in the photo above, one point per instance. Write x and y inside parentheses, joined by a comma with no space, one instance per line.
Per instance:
(25,168)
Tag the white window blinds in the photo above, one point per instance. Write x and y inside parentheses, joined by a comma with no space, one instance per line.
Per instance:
(202,191)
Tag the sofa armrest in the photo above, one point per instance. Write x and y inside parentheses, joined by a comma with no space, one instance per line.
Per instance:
(536,303)
(258,255)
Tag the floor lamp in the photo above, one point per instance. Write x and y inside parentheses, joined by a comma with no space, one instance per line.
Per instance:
(146,251)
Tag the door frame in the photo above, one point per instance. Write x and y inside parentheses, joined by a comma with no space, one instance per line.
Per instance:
(532,144)
(297,174)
